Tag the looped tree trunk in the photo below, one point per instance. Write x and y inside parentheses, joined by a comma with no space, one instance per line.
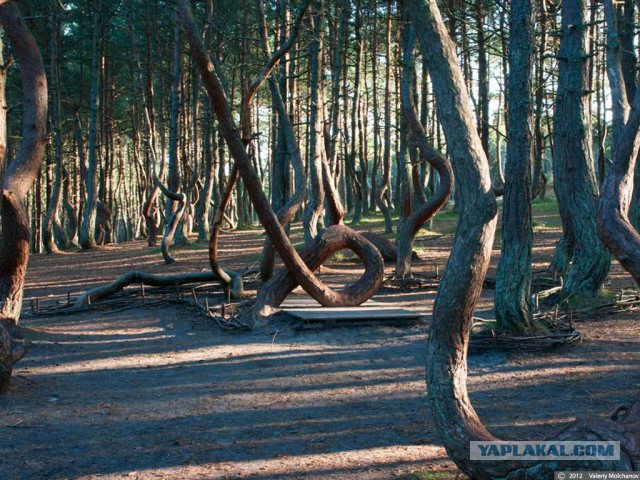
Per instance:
(328,242)
(292,260)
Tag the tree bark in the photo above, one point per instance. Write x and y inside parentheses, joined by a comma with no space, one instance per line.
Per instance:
(19,177)
(52,220)
(574,175)
(316,194)
(614,227)
(413,221)
(513,278)
(461,284)
(539,181)
(88,223)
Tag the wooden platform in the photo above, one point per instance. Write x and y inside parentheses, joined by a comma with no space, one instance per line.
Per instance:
(313,316)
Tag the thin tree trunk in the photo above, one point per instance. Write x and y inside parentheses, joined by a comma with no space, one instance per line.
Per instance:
(411,222)
(386,158)
(316,195)
(574,175)
(88,223)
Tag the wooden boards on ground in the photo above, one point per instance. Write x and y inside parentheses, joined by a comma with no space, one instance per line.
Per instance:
(313,316)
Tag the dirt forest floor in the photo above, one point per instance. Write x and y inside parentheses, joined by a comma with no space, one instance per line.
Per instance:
(158,391)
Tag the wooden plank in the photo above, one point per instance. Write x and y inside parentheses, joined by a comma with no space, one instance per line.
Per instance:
(353,314)
(308,302)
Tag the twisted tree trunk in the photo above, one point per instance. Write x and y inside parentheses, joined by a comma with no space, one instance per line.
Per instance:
(411,224)
(302,273)
(316,194)
(614,226)
(461,284)
(288,211)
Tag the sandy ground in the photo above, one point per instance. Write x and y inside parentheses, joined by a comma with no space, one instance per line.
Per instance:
(163,393)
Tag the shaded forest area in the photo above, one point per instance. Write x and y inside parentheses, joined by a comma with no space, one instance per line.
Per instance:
(175,129)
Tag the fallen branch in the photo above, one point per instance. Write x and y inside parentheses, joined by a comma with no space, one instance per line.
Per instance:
(136,277)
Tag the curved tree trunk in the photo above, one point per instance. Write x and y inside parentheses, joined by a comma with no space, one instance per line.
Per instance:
(14,245)
(52,220)
(461,284)
(513,278)
(328,242)
(309,282)
(409,226)
(70,210)
(203,206)
(232,281)
(174,220)
(288,136)
(614,226)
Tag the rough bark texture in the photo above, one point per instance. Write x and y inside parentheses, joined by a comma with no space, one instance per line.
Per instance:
(14,245)
(614,227)
(574,176)
(461,284)
(311,284)
(513,279)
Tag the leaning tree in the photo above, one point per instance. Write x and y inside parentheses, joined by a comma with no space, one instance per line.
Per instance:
(20,175)
(614,226)
(299,267)
(455,418)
